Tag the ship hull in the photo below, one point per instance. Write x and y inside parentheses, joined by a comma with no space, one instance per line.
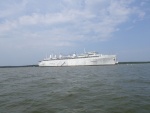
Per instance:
(93,61)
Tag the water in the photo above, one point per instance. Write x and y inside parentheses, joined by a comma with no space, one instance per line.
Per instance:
(84,89)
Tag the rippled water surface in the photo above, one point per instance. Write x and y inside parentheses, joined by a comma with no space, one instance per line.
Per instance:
(83,89)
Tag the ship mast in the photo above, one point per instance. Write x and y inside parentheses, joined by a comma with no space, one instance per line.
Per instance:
(84,50)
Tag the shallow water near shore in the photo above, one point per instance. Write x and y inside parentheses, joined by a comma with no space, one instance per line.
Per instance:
(85,89)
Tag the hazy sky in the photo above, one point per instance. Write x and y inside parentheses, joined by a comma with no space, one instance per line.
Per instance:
(30,29)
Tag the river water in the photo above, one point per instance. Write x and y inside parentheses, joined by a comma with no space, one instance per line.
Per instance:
(85,89)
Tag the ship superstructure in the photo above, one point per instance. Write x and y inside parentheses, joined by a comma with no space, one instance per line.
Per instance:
(85,59)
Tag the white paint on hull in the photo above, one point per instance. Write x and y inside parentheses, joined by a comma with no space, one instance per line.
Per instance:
(100,60)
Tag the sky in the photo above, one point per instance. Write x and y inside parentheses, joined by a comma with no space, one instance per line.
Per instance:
(32,29)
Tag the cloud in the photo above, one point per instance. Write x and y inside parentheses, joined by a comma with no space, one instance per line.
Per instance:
(69,21)
(10,9)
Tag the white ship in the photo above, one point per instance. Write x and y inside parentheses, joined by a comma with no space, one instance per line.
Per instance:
(86,59)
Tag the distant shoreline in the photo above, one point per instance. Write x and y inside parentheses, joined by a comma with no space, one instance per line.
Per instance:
(38,66)
(19,66)
(134,62)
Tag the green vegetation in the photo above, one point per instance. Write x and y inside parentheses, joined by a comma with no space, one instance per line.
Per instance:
(18,66)
(133,62)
